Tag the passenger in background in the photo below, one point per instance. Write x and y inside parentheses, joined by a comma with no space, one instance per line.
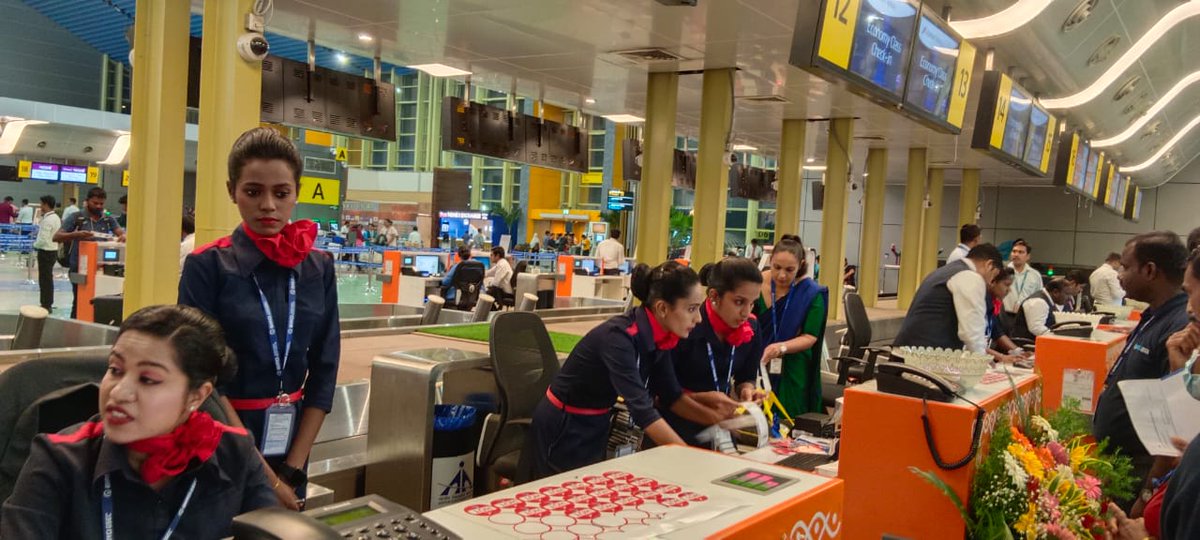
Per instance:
(1026,280)
(756,250)
(83,227)
(464,257)
(123,219)
(1036,315)
(69,210)
(25,214)
(276,298)
(611,254)
(969,236)
(535,243)
(1078,297)
(624,356)
(414,238)
(8,211)
(793,310)
(390,234)
(722,353)
(949,309)
(1001,347)
(1106,286)
(47,251)
(585,247)
(1153,266)
(497,280)
(150,465)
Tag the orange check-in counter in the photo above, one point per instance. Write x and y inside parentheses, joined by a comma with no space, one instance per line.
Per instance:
(1076,368)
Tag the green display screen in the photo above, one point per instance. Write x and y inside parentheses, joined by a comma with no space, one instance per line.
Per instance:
(346,516)
(755,481)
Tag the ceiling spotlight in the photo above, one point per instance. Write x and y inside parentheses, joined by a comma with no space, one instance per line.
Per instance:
(589,101)
(744,148)
(624,118)
(343,59)
(810,160)
(440,70)
(365,37)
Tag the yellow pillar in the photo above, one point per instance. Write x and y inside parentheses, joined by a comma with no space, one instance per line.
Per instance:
(968,196)
(932,222)
(910,236)
(230,101)
(833,215)
(872,226)
(156,153)
(654,192)
(712,175)
(790,177)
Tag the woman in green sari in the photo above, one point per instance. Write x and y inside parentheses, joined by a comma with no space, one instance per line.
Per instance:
(791,312)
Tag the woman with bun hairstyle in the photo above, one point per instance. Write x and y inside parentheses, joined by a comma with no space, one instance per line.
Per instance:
(627,356)
(276,298)
(792,308)
(722,353)
(150,465)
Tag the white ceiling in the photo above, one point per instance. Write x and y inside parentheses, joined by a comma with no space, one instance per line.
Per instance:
(562,50)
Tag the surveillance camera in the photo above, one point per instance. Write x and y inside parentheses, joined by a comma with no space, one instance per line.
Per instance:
(253,47)
(728,159)
(853,186)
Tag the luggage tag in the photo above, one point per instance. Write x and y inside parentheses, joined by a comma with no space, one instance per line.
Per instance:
(277,427)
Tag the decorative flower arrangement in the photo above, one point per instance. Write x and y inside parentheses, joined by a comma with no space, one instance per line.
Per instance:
(1042,479)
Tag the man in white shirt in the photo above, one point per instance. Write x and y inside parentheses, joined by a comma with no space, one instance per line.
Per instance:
(414,238)
(1106,287)
(950,307)
(188,242)
(611,254)
(1026,280)
(1036,314)
(969,236)
(499,275)
(25,214)
(71,208)
(47,251)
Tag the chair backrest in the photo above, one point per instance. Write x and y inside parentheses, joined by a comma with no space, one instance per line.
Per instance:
(522,267)
(524,362)
(858,325)
(468,279)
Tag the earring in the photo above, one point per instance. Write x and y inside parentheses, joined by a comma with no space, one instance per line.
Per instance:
(192,408)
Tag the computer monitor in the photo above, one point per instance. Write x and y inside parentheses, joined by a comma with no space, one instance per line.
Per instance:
(425,264)
(333,225)
(588,265)
(487,261)
(627,266)
(578,263)
(408,261)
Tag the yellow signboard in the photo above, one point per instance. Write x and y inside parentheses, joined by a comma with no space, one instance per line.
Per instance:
(125,178)
(340,154)
(1099,174)
(24,168)
(1001,115)
(323,191)
(318,138)
(93,175)
(592,179)
(1051,133)
(837,31)
(1074,156)
(962,84)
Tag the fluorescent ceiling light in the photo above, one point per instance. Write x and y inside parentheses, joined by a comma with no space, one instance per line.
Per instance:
(624,118)
(589,101)
(1157,108)
(12,134)
(343,59)
(1178,135)
(1003,22)
(365,37)
(810,160)
(1156,32)
(813,167)
(120,148)
(744,148)
(440,70)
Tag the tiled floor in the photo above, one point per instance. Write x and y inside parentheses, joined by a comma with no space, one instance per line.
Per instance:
(18,286)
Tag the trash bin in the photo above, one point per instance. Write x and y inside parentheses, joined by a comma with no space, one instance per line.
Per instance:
(455,437)
(108,309)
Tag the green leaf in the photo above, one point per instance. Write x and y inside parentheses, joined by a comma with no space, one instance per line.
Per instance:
(947,491)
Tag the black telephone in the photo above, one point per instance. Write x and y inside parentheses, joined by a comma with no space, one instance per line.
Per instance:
(1078,329)
(912,381)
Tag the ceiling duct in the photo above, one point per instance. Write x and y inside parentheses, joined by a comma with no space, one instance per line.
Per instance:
(766,98)
(1082,11)
(1104,51)
(1127,88)
(648,55)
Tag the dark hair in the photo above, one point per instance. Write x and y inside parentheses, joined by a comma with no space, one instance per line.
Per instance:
(263,143)
(1022,242)
(1077,276)
(1193,241)
(8,198)
(754,241)
(1005,273)
(790,243)
(969,232)
(24,202)
(498,251)
(1056,285)
(1195,266)
(616,234)
(1164,249)
(1114,256)
(97,193)
(198,341)
(124,199)
(189,224)
(986,252)
(728,274)
(72,200)
(464,252)
(48,200)
(669,282)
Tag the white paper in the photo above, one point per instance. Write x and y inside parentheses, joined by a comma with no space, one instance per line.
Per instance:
(1161,409)
(1078,384)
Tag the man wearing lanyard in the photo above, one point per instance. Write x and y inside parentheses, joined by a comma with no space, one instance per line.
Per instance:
(969,236)
(1026,280)
(1153,270)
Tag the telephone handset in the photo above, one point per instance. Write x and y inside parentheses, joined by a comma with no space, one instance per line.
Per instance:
(1080,329)
(906,380)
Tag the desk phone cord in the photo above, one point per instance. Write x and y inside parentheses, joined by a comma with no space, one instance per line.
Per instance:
(977,432)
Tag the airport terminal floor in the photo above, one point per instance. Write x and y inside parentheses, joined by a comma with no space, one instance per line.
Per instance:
(591,270)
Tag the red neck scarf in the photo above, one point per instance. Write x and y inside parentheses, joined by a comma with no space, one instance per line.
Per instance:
(290,246)
(663,339)
(733,336)
(168,455)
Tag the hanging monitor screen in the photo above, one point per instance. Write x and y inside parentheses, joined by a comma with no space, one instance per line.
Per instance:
(1117,187)
(1013,127)
(939,75)
(1035,143)
(1091,177)
(45,171)
(1019,105)
(881,47)
(71,173)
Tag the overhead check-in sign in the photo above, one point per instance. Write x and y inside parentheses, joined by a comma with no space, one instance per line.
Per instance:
(322,191)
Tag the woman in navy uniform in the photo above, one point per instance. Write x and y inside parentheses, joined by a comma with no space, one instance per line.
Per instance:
(149,465)
(621,357)
(722,353)
(289,360)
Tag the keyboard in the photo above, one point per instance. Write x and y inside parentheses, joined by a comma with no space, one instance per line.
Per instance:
(804,461)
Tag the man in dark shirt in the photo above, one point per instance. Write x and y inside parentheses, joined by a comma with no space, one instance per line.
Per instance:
(8,211)
(82,226)
(1153,269)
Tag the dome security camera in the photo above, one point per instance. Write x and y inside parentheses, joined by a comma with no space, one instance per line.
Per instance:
(253,46)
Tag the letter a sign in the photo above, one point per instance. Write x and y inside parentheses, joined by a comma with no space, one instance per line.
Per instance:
(322,191)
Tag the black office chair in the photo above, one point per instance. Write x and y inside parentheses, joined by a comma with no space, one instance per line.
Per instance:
(856,363)
(524,362)
(467,281)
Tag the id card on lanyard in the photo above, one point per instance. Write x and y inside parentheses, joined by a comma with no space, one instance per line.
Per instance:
(776,367)
(280,417)
(106,509)
(630,448)
(712,362)
(1131,345)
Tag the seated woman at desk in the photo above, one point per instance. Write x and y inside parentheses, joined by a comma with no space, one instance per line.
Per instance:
(624,356)
(722,353)
(149,465)
(997,334)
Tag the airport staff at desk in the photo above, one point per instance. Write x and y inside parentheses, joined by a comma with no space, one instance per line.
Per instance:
(1105,284)
(149,465)
(1000,346)
(722,353)
(1036,315)
(949,308)
(623,356)
(1153,265)
(969,236)
(276,298)
(1027,280)
(464,259)
(793,326)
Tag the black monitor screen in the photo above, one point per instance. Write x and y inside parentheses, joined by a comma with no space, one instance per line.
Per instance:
(881,42)
(1080,167)
(934,58)
(1039,120)
(1019,105)
(1089,179)
(487,261)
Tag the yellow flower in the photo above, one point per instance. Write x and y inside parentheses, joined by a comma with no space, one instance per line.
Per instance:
(1028,460)
(1027,525)
(1078,455)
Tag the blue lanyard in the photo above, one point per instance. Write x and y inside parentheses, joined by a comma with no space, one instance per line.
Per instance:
(106,506)
(280,361)
(1130,342)
(638,365)
(712,362)
(775,309)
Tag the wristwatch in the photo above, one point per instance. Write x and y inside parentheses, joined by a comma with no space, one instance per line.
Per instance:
(291,475)
(782,348)
(1147,494)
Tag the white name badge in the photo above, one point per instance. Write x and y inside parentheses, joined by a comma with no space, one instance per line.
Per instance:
(277,433)
(776,367)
